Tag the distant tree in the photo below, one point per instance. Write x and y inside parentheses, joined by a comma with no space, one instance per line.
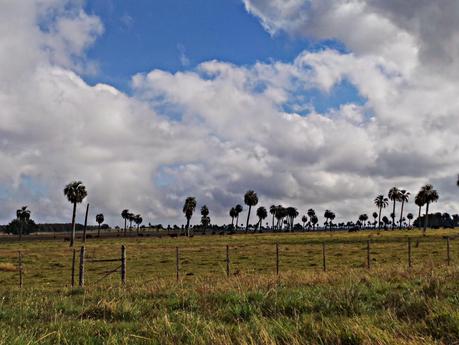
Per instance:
(420,201)
(188,209)
(329,216)
(381,202)
(99,220)
(272,210)
(232,214)
(394,195)
(75,193)
(131,218)
(205,219)
(238,209)
(138,220)
(430,195)
(375,216)
(292,213)
(281,212)
(262,214)
(386,221)
(310,214)
(410,218)
(403,197)
(23,216)
(125,215)
(250,199)
(304,219)
(314,221)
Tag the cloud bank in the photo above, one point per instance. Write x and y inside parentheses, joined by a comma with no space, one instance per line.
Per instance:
(216,130)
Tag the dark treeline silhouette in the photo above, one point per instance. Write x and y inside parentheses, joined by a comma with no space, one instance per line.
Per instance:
(282,218)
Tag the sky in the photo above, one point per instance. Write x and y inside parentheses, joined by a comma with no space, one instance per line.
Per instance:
(318,104)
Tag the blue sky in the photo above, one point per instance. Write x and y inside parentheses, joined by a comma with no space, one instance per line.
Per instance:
(175,35)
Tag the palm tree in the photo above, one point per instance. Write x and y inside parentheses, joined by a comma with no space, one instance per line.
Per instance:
(381,202)
(99,220)
(250,199)
(375,215)
(385,221)
(404,196)
(23,215)
(131,218)
(394,195)
(280,214)
(304,219)
(238,209)
(273,210)
(314,221)
(311,213)
(75,193)
(125,215)
(292,213)
(420,201)
(138,220)
(328,215)
(188,209)
(410,218)
(262,213)
(205,219)
(232,214)
(430,195)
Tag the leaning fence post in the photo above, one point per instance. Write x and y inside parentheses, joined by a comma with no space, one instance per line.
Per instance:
(123,264)
(227,261)
(177,263)
(448,252)
(324,260)
(368,255)
(81,270)
(409,253)
(277,258)
(73,267)
(20,268)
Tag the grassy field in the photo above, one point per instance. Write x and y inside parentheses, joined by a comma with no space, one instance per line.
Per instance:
(348,304)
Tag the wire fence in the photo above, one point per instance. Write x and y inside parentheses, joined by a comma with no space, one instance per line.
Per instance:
(118,264)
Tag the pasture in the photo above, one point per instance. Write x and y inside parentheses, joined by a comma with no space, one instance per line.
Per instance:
(348,304)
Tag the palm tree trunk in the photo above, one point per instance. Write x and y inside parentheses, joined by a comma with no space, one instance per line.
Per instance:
(379,219)
(393,216)
(232,221)
(72,237)
(237,221)
(85,223)
(98,231)
(426,218)
(188,227)
(20,229)
(248,218)
(419,218)
(401,214)
(125,227)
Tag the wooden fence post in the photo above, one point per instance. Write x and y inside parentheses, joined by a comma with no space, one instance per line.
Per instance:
(20,269)
(324,261)
(368,255)
(123,264)
(177,263)
(409,253)
(448,252)
(227,261)
(277,258)
(81,270)
(73,267)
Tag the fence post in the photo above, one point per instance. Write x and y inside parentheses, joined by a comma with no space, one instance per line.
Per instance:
(123,264)
(368,255)
(227,261)
(448,252)
(324,261)
(277,258)
(81,270)
(177,263)
(20,268)
(409,253)
(73,267)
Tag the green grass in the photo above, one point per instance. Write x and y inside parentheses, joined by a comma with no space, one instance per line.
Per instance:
(303,305)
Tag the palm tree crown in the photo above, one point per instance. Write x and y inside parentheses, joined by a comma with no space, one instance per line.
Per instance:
(75,192)
(100,218)
(250,199)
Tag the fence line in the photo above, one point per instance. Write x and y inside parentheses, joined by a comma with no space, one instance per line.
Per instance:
(327,249)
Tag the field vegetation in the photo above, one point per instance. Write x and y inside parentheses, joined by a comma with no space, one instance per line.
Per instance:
(348,304)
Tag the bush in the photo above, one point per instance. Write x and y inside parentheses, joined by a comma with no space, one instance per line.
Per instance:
(14,227)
